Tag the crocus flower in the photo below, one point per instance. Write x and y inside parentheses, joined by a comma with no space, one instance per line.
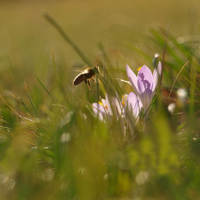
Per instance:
(108,108)
(145,83)
(102,109)
(133,105)
(120,104)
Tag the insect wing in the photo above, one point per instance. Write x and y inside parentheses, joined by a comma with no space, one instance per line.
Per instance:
(79,79)
(85,76)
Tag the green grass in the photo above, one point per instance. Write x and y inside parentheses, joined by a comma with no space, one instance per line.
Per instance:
(51,144)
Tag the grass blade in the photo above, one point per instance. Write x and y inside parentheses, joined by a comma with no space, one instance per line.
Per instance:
(177,78)
(67,38)
(23,104)
(43,86)
(54,64)
(20,116)
(31,100)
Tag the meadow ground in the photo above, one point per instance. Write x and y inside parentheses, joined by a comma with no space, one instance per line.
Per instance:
(53,146)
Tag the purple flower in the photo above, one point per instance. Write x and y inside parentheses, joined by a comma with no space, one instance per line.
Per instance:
(107,109)
(144,84)
(133,105)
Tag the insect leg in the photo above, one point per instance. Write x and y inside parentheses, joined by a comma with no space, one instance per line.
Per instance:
(93,80)
(88,83)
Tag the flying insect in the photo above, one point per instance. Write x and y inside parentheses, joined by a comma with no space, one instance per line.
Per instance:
(87,75)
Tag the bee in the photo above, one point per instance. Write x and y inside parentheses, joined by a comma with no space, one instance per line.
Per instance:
(86,76)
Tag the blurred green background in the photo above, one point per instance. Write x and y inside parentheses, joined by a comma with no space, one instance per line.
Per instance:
(51,146)
(26,38)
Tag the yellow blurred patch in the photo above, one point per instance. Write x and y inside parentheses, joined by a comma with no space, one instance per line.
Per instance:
(124,97)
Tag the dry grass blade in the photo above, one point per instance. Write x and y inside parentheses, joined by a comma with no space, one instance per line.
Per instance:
(20,116)
(31,100)
(177,78)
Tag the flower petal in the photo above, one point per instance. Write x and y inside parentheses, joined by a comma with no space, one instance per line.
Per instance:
(117,105)
(155,80)
(133,104)
(98,110)
(159,68)
(145,83)
(132,78)
(107,106)
(144,80)
(156,72)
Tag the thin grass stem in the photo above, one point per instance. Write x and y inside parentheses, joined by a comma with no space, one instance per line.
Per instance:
(67,38)
(31,100)
(177,78)
(43,86)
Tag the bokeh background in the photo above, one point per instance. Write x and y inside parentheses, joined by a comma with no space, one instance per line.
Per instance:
(60,150)
(26,35)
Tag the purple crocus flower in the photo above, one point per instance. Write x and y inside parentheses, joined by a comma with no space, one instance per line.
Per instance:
(145,83)
(133,105)
(118,108)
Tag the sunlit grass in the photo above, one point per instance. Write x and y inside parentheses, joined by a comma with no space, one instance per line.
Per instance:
(52,146)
